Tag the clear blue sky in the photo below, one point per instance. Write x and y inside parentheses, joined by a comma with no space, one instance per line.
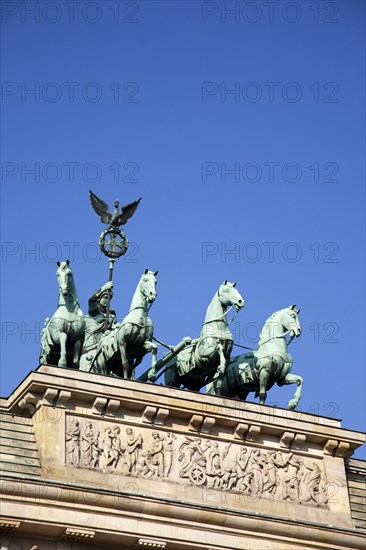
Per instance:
(242,130)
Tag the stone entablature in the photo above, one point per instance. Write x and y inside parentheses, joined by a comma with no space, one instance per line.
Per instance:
(182,461)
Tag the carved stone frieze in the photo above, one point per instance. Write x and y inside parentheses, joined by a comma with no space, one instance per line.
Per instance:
(190,459)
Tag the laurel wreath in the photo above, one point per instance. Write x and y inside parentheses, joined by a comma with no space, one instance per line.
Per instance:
(114,251)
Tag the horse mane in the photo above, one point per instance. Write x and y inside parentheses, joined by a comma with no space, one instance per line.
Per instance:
(269,320)
(73,287)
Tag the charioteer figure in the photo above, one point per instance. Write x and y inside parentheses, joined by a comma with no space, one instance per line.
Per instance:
(100,319)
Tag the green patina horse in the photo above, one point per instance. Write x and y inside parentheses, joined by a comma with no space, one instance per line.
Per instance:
(122,348)
(258,371)
(63,334)
(195,365)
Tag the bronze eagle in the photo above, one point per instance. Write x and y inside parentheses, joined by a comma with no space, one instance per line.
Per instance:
(116,218)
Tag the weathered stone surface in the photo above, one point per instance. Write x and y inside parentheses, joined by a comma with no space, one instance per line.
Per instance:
(356,480)
(18,451)
(181,469)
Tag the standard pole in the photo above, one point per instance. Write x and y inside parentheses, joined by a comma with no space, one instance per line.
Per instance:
(111,266)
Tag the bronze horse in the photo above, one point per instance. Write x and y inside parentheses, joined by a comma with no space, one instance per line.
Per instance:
(63,334)
(122,349)
(195,365)
(258,371)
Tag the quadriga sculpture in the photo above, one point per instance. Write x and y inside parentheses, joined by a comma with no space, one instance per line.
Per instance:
(195,365)
(63,334)
(258,371)
(122,349)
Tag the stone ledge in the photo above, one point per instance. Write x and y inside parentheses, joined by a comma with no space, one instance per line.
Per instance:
(115,398)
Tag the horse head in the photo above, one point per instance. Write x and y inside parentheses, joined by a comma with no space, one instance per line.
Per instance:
(64,277)
(229,296)
(290,321)
(147,285)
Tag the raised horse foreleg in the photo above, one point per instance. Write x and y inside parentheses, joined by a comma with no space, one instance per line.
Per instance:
(292,379)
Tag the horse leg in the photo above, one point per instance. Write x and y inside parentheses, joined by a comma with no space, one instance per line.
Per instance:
(264,371)
(242,394)
(150,346)
(63,361)
(171,375)
(221,369)
(293,379)
(222,365)
(99,364)
(77,353)
(126,367)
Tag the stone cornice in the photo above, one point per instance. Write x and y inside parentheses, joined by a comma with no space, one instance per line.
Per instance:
(149,403)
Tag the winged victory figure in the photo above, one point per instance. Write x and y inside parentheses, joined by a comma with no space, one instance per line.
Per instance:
(115,218)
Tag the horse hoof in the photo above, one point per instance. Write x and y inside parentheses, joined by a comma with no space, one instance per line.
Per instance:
(151,376)
(292,405)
